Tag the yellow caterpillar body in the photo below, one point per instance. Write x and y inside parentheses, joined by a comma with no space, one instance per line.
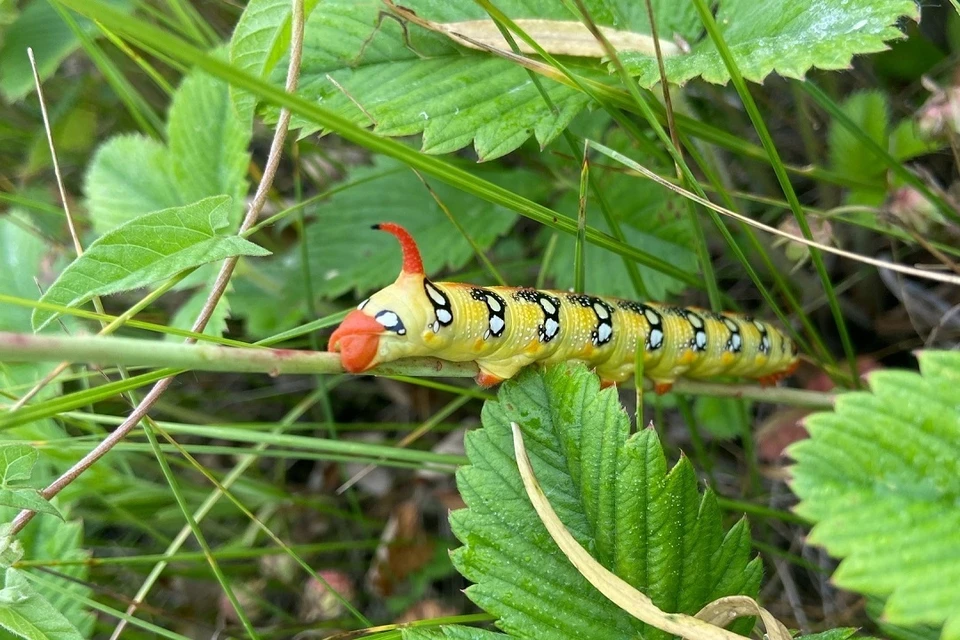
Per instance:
(504,329)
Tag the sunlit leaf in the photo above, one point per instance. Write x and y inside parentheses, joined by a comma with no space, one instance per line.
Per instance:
(615,495)
(132,175)
(880,477)
(147,249)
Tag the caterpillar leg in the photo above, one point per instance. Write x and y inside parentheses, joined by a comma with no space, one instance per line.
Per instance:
(485,379)
(662,387)
(772,379)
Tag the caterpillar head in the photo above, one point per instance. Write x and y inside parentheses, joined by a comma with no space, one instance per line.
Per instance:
(377,330)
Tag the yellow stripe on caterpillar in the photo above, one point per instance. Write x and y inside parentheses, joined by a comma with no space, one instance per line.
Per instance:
(504,329)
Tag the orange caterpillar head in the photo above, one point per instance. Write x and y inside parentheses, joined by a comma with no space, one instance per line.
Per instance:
(385,326)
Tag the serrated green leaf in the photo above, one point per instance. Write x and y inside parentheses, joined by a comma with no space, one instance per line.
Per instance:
(27,614)
(132,175)
(259,40)
(346,255)
(38,26)
(455,96)
(451,632)
(16,462)
(207,141)
(649,526)
(880,476)
(152,247)
(842,633)
(452,96)
(848,155)
(783,36)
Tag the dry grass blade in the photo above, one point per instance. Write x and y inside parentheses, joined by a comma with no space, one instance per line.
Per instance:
(557,37)
(882,264)
(622,593)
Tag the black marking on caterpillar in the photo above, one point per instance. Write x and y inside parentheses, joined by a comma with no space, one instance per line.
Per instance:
(442,311)
(391,322)
(603,332)
(764,347)
(551,312)
(699,340)
(655,336)
(735,341)
(496,308)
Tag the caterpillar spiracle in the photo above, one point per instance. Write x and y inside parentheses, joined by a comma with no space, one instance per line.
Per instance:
(504,329)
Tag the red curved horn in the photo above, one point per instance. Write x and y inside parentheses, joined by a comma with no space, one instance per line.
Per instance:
(411,254)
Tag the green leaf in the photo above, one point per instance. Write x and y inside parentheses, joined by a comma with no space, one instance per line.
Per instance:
(788,37)
(152,247)
(27,498)
(259,41)
(843,633)
(132,174)
(55,541)
(38,26)
(27,614)
(647,524)
(16,462)
(897,632)
(880,477)
(906,142)
(848,155)
(346,255)
(453,96)
(451,632)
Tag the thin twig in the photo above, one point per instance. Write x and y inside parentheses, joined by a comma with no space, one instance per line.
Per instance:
(220,285)
(16,347)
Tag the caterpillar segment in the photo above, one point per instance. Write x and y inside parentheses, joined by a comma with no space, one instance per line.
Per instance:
(504,329)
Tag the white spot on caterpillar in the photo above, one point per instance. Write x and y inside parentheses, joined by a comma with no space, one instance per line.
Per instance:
(496,324)
(436,327)
(656,339)
(444,316)
(387,318)
(701,340)
(604,331)
(601,311)
(548,306)
(435,295)
(493,303)
(735,342)
(651,316)
(731,325)
(551,327)
(695,320)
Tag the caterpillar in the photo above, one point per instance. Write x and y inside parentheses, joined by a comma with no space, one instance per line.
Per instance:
(504,329)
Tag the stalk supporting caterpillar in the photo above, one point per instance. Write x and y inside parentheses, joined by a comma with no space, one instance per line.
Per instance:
(504,329)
